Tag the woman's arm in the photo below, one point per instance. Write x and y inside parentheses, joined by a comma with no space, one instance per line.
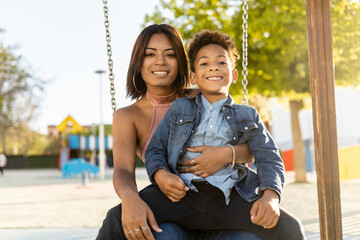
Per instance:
(135,212)
(213,158)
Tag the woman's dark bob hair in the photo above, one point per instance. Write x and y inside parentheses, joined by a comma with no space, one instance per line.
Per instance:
(135,84)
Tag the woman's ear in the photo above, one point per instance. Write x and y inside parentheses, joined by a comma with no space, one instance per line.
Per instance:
(193,78)
(234,76)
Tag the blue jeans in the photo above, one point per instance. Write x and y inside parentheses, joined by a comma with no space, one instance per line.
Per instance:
(175,232)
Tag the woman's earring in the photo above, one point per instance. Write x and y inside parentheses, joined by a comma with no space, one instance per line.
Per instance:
(135,85)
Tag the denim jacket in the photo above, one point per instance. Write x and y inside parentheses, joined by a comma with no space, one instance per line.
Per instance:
(169,142)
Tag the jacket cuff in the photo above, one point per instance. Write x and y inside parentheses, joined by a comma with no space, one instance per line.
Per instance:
(151,170)
(263,188)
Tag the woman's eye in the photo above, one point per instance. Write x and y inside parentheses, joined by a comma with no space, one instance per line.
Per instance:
(172,55)
(149,54)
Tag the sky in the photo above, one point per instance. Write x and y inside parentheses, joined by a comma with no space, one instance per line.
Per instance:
(64,42)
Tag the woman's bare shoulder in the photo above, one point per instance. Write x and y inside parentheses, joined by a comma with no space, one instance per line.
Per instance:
(129,113)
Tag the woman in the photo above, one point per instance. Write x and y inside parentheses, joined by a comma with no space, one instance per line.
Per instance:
(157,75)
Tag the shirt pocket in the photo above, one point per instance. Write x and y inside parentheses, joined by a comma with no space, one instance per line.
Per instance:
(180,127)
(244,128)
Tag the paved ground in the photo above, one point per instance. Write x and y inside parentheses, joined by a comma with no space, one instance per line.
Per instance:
(40,204)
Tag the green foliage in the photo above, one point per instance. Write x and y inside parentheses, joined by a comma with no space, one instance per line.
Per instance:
(20,93)
(278,51)
(346,39)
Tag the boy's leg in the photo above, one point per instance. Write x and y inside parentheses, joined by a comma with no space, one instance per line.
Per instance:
(237,216)
(112,227)
(188,213)
(163,209)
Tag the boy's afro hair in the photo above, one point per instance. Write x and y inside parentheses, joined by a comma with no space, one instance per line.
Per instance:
(207,37)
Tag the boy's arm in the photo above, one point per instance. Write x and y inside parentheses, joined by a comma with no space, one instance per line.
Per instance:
(271,172)
(156,163)
(156,156)
(269,165)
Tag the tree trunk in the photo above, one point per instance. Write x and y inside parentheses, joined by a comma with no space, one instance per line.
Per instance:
(299,149)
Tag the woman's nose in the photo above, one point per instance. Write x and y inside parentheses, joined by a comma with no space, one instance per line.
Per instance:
(160,59)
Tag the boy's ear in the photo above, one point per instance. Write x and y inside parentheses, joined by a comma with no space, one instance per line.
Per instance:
(193,78)
(234,76)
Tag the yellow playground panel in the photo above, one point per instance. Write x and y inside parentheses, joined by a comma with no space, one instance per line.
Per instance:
(349,162)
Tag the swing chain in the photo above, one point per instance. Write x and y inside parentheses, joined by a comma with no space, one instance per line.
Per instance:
(109,54)
(245,52)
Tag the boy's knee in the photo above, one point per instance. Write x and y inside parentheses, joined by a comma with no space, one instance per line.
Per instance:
(290,228)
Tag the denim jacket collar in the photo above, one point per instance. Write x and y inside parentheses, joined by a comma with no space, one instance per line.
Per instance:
(230,101)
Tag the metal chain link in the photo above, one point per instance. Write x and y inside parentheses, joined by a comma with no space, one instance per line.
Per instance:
(109,54)
(245,52)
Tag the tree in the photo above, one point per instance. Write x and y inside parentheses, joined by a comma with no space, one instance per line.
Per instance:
(278,52)
(19,93)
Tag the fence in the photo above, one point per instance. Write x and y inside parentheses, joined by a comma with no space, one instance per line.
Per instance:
(21,162)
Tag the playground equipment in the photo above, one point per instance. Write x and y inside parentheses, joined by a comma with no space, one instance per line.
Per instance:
(78,166)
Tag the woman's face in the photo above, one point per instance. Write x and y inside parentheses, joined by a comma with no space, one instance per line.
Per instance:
(160,67)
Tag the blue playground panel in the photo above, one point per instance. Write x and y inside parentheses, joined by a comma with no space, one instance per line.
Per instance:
(74,142)
(77,166)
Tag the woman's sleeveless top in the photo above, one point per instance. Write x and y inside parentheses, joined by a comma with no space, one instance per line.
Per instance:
(161,105)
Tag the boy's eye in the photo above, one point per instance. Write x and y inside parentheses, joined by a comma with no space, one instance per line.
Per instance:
(222,62)
(203,64)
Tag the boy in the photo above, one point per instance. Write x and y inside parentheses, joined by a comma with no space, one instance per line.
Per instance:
(235,197)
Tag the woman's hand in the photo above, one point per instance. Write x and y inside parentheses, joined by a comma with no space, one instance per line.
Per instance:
(170,185)
(211,160)
(137,218)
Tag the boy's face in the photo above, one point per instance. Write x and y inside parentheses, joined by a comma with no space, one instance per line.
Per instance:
(213,72)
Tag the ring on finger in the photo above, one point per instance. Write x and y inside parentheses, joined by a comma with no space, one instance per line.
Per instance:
(144,228)
(195,168)
(199,173)
(136,230)
(193,161)
(130,232)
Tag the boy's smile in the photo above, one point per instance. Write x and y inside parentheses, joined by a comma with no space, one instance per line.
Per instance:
(213,72)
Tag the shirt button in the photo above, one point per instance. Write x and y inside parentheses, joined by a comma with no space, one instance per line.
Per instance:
(223,107)
(181,151)
(228,117)
(246,128)
(211,126)
(181,120)
(211,108)
(234,138)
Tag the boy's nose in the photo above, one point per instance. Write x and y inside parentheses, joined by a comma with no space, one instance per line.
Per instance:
(214,68)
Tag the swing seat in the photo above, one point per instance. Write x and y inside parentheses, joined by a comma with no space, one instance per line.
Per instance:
(78,166)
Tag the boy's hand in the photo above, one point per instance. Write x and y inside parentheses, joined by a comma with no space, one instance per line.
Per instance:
(170,185)
(265,211)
